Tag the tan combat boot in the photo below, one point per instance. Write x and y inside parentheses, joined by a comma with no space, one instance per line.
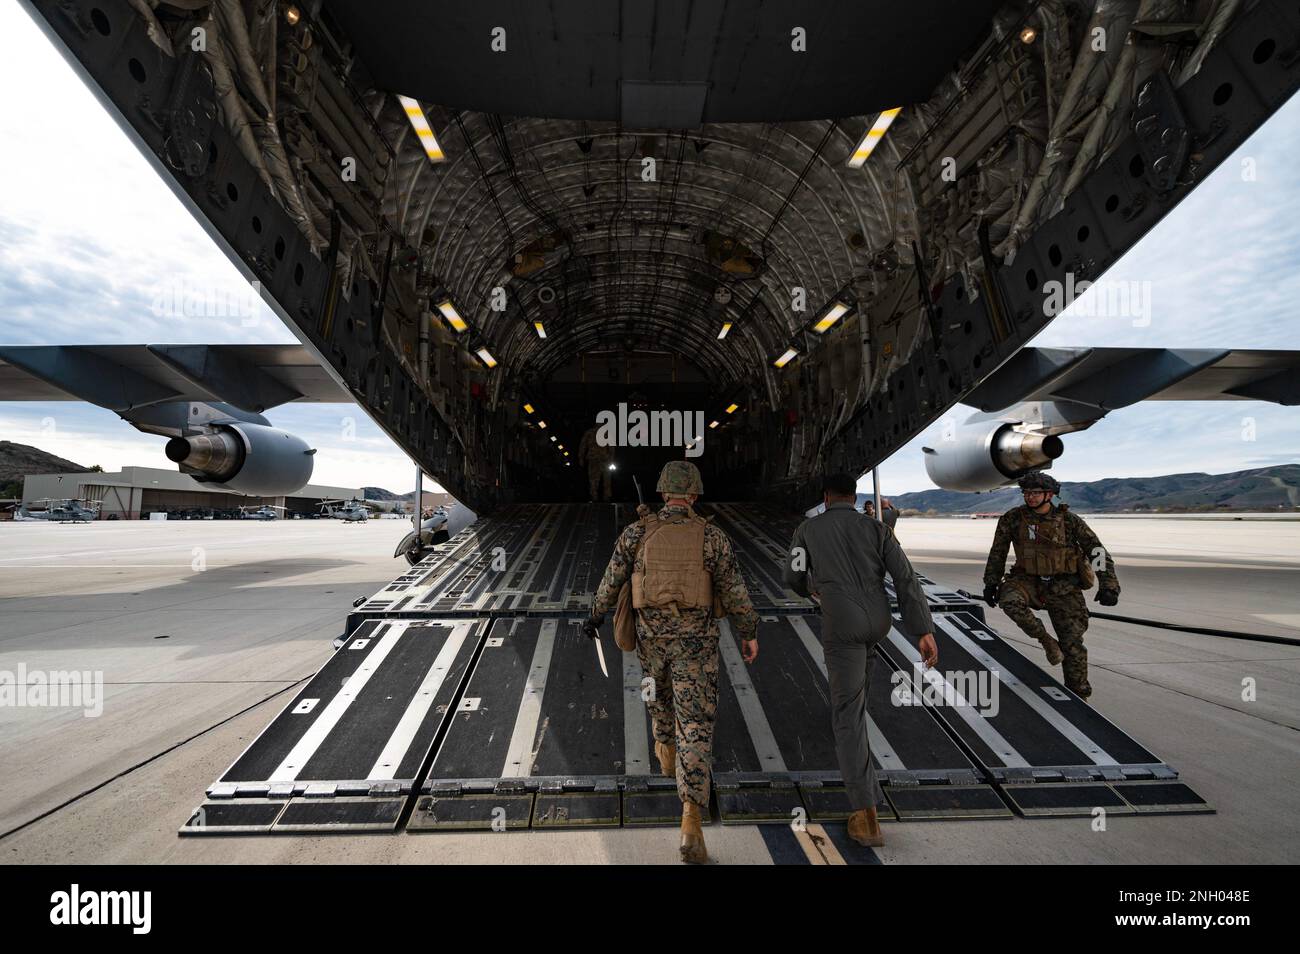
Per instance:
(693,852)
(1053,649)
(864,828)
(667,753)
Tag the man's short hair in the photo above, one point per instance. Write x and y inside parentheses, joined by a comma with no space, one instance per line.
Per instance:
(840,485)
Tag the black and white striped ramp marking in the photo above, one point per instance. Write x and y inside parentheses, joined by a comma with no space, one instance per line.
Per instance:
(346,751)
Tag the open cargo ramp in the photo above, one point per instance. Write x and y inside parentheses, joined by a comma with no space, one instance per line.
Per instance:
(466,697)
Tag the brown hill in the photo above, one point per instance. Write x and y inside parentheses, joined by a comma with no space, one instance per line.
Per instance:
(19,460)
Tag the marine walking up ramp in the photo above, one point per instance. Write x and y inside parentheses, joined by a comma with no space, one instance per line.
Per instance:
(464,696)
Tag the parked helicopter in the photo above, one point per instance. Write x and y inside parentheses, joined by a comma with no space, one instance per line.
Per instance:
(265,512)
(66,510)
(351,511)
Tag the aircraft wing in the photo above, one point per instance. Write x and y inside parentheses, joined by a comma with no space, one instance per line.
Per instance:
(1109,378)
(123,377)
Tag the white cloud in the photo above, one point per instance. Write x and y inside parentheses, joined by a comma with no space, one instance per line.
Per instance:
(89,232)
(93,246)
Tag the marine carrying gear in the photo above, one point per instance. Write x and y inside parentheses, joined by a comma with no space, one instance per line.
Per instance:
(669,569)
(680,477)
(1043,546)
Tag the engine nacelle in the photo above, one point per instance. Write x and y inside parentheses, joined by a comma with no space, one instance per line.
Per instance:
(248,458)
(988,456)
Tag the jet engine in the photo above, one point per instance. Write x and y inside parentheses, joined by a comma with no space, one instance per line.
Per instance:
(988,456)
(252,459)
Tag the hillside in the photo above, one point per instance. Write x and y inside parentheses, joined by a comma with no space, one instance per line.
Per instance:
(1268,488)
(19,460)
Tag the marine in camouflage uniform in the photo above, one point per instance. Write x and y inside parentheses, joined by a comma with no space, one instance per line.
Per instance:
(596,457)
(1054,549)
(677,645)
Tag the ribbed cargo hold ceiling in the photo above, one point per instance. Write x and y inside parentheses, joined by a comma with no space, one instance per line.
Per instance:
(736,217)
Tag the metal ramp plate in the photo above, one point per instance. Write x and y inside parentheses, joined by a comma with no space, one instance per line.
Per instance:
(346,752)
(340,814)
(1162,798)
(1019,723)
(653,806)
(831,803)
(578,809)
(1065,800)
(924,802)
(471,812)
(245,816)
(767,803)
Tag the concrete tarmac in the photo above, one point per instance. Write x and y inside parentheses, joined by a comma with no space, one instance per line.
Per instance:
(201,629)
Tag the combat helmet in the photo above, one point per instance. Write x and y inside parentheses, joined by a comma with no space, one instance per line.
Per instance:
(680,477)
(1040,481)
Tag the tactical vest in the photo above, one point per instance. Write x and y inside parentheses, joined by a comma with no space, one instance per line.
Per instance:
(1043,547)
(669,571)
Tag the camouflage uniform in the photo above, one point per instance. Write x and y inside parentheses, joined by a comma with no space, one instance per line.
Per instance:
(1061,595)
(678,649)
(597,458)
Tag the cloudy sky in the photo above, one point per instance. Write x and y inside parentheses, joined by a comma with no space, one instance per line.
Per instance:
(92,244)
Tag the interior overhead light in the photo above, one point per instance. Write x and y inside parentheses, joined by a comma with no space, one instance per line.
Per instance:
(529,408)
(541,329)
(422,128)
(732,408)
(452,315)
(873,137)
(542,425)
(559,447)
(292,15)
(713,424)
(486,357)
(790,355)
(833,314)
(553,438)
(726,326)
(1028,34)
